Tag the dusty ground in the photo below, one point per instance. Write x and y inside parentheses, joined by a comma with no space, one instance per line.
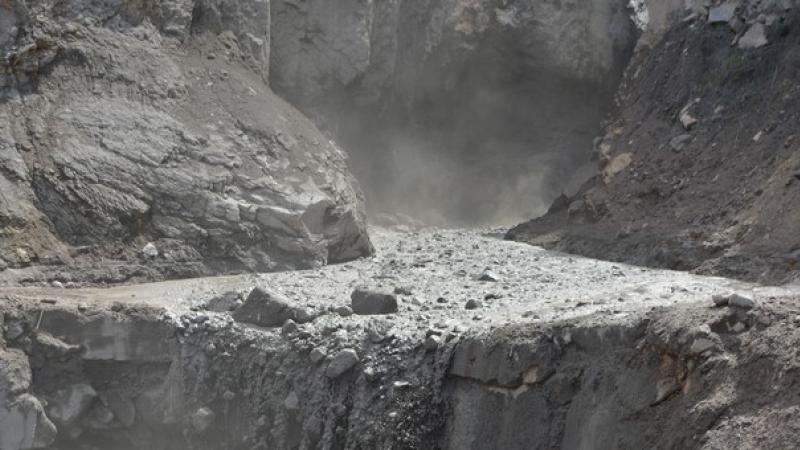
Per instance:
(532,284)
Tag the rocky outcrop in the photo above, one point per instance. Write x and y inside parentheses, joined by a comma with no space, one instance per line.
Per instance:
(131,123)
(707,180)
(458,110)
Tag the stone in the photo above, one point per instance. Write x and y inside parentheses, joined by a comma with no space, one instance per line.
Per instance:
(289,327)
(402,290)
(740,301)
(304,315)
(700,345)
(99,418)
(378,331)
(686,118)
(341,363)
(432,342)
(264,308)
(25,425)
(720,300)
(15,373)
(121,405)
(291,402)
(317,355)
(722,13)
(203,419)
(616,165)
(489,276)
(68,404)
(754,37)
(344,311)
(150,250)
(367,302)
(679,142)
(473,304)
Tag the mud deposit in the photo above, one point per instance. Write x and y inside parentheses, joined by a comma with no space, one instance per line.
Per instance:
(493,345)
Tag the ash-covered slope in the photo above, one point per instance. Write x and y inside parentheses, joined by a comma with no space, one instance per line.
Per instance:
(701,168)
(124,124)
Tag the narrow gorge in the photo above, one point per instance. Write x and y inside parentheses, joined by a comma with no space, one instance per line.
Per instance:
(284,224)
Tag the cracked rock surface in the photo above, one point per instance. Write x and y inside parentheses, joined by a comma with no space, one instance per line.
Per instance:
(143,134)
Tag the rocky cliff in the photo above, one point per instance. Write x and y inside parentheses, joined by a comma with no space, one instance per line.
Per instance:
(700,168)
(456,111)
(139,140)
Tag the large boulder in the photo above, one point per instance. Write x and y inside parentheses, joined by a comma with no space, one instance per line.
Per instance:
(150,122)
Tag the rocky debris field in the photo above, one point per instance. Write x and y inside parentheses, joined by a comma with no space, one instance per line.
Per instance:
(699,168)
(447,339)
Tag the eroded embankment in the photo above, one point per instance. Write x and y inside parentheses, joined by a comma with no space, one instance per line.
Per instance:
(127,376)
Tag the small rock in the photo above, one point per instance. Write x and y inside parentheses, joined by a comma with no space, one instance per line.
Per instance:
(341,363)
(473,304)
(378,331)
(432,342)
(344,311)
(317,355)
(23,256)
(720,300)
(402,290)
(99,418)
(366,302)
(441,300)
(202,419)
(150,250)
(679,142)
(57,284)
(722,13)
(265,309)
(228,396)
(291,402)
(304,315)
(122,407)
(740,301)
(686,118)
(67,405)
(489,276)
(700,345)
(289,327)
(754,37)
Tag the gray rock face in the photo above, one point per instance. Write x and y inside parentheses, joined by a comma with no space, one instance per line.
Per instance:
(23,422)
(434,100)
(120,127)
(367,302)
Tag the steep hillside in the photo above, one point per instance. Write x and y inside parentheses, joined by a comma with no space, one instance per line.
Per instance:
(139,140)
(700,170)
